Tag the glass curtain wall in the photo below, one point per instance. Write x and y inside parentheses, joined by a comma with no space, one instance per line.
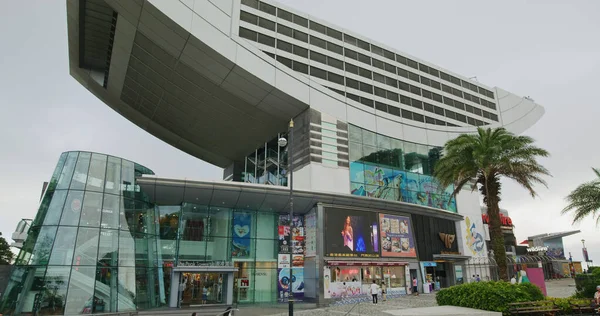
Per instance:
(92,246)
(393,169)
(267,164)
(192,233)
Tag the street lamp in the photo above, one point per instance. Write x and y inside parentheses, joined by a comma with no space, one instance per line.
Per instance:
(282,142)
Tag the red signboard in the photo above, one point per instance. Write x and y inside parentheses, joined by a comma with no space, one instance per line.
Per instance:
(504,220)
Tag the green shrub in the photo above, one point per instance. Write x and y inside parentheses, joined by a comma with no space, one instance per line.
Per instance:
(585,285)
(564,304)
(491,296)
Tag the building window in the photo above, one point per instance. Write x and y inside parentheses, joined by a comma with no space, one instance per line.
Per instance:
(251,3)
(248,34)
(317,72)
(301,36)
(301,67)
(267,8)
(335,34)
(248,17)
(300,51)
(267,24)
(300,20)
(285,15)
(318,27)
(266,40)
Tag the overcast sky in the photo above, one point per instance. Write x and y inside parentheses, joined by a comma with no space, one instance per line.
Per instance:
(548,50)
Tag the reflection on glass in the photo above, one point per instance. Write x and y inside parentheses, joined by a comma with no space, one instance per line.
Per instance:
(168,221)
(113,175)
(67,172)
(126,249)
(86,247)
(81,170)
(108,248)
(106,289)
(55,208)
(127,289)
(80,297)
(43,245)
(92,203)
(72,208)
(96,175)
(110,211)
(62,252)
(55,290)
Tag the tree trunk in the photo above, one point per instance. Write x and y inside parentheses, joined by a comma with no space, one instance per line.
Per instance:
(491,191)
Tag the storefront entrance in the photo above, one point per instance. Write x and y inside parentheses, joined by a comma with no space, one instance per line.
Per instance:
(201,288)
(201,285)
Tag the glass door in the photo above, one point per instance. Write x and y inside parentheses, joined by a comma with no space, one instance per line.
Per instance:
(201,289)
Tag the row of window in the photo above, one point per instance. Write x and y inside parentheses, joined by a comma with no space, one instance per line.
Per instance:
(348,53)
(367,88)
(288,16)
(412,115)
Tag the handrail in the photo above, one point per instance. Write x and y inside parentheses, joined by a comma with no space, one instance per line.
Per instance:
(347,313)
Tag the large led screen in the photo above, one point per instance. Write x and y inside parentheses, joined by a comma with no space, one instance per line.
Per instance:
(351,233)
(396,236)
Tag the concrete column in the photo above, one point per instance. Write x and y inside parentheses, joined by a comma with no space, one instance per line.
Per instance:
(229,288)
(319,260)
(174,295)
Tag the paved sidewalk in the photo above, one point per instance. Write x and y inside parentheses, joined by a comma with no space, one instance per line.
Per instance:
(560,288)
(366,308)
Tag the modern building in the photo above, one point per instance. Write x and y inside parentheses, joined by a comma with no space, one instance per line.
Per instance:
(220,80)
(549,246)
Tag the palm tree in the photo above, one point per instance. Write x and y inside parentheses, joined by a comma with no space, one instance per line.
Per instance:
(480,160)
(585,200)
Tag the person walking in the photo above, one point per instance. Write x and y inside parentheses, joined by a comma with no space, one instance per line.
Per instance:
(204,294)
(374,291)
(415,286)
(383,291)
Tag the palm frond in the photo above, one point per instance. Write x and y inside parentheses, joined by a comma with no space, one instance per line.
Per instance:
(584,201)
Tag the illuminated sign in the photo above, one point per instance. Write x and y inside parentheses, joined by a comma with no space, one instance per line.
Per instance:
(504,220)
(537,249)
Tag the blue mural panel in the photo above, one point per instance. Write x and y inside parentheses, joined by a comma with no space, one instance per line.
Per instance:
(398,185)
(242,223)
(357,172)
(358,189)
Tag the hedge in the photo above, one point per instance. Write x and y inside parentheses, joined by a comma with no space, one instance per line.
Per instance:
(565,304)
(585,284)
(490,296)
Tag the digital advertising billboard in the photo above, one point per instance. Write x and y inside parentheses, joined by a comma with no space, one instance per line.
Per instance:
(397,238)
(350,233)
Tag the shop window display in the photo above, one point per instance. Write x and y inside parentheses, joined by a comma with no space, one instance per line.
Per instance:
(350,281)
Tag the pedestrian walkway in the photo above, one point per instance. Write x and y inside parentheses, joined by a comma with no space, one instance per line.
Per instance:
(560,288)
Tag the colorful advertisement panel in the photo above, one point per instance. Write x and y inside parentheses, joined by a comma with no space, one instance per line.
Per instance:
(350,233)
(242,223)
(297,283)
(555,248)
(397,238)
(399,185)
(291,235)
